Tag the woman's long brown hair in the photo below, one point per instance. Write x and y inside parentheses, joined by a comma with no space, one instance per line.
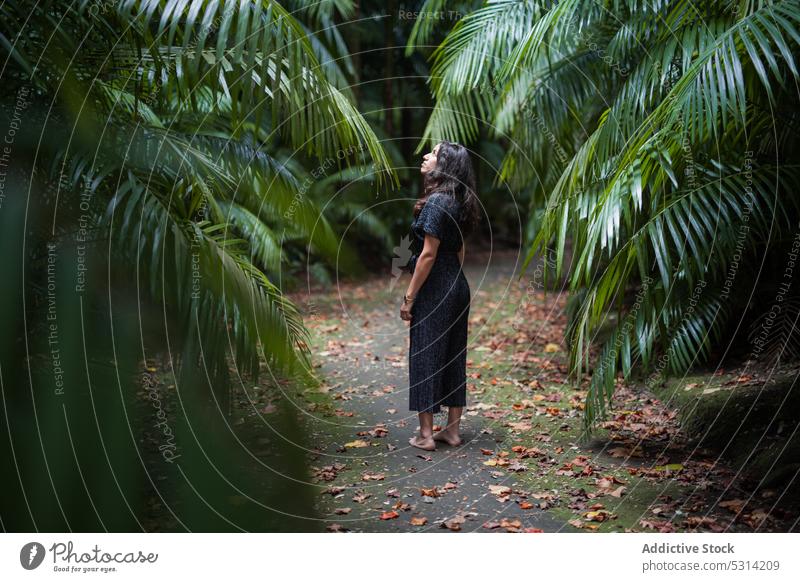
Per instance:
(455,175)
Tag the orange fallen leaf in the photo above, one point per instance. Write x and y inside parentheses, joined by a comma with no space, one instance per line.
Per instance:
(510,524)
(499,489)
(373,477)
(601,515)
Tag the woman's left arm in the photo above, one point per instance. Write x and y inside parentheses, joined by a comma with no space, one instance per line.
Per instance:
(421,271)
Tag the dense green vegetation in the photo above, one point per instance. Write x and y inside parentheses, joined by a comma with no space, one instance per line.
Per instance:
(164,173)
(189,130)
(170,169)
(656,138)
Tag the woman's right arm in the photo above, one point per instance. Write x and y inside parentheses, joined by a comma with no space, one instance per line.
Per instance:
(421,271)
(461,255)
(424,265)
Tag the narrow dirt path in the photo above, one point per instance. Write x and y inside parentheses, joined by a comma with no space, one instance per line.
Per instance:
(522,466)
(382,483)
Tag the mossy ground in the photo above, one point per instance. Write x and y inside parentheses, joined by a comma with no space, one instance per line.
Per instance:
(646,467)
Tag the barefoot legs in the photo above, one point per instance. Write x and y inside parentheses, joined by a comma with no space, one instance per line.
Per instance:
(449,434)
(425,438)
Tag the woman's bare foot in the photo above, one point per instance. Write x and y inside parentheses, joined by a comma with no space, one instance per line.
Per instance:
(422,443)
(445,436)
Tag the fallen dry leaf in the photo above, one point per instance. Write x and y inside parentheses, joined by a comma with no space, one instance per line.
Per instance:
(454,524)
(734,505)
(496,463)
(373,477)
(673,467)
(419,520)
(600,515)
(510,524)
(520,426)
(356,444)
(618,492)
(499,489)
(661,526)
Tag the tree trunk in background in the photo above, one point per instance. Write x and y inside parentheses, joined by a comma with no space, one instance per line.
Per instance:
(407,115)
(355,49)
(388,69)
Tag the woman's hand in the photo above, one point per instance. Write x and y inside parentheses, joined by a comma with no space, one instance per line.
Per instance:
(405,310)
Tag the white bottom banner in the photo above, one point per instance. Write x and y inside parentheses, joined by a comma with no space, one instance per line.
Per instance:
(380,557)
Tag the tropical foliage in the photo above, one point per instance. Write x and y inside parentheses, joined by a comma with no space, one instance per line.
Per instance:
(187,131)
(655,139)
(166,166)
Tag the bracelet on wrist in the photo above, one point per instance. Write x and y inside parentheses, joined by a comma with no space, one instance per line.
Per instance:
(407,299)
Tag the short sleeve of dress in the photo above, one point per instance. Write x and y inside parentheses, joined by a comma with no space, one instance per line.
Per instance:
(434,216)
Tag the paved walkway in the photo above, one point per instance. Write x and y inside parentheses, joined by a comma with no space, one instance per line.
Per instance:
(377,473)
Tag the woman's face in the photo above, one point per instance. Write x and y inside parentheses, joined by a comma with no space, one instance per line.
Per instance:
(429,160)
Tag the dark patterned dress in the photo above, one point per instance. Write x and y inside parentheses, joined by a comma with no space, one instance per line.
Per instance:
(437,359)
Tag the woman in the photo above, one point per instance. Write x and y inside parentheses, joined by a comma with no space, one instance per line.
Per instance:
(438,297)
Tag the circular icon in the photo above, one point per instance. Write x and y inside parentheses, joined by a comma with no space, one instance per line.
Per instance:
(31,555)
